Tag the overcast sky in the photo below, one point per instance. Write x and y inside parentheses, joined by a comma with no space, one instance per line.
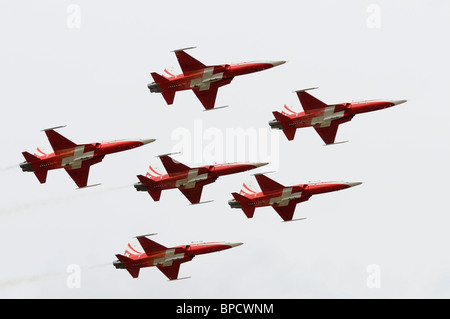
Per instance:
(86,64)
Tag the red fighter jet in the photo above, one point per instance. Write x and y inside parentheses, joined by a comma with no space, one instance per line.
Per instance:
(76,159)
(283,199)
(203,80)
(324,118)
(189,181)
(168,260)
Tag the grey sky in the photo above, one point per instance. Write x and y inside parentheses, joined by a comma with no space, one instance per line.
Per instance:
(93,79)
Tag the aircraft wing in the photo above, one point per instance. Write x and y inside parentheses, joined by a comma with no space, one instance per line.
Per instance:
(172,166)
(208,96)
(287,212)
(80,175)
(149,245)
(328,134)
(266,184)
(187,63)
(58,142)
(309,102)
(193,194)
(172,271)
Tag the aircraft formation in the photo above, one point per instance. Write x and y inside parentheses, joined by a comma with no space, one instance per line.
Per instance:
(204,81)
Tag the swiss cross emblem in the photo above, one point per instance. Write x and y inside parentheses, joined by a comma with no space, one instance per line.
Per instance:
(328,115)
(204,82)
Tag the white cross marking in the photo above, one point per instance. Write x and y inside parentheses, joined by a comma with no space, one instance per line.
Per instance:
(191,179)
(168,258)
(328,115)
(78,157)
(285,197)
(205,82)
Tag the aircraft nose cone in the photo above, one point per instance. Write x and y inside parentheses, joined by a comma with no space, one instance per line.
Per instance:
(397,102)
(234,244)
(260,164)
(277,63)
(147,141)
(354,184)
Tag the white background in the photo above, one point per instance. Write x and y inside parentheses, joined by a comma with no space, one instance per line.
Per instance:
(93,79)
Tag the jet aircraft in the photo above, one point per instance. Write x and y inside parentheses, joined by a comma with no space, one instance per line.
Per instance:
(167,260)
(189,181)
(282,198)
(76,159)
(324,118)
(203,80)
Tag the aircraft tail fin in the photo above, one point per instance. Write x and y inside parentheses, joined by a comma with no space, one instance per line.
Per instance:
(159,78)
(288,129)
(29,166)
(168,94)
(133,270)
(30,157)
(244,201)
(152,187)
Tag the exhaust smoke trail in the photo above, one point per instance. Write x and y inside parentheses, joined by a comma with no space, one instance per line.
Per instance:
(34,278)
(23,206)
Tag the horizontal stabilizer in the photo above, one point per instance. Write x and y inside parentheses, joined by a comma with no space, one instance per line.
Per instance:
(169,96)
(249,211)
(41,175)
(286,125)
(152,187)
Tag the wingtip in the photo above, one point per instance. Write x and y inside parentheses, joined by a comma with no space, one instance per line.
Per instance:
(183,49)
(53,128)
(308,89)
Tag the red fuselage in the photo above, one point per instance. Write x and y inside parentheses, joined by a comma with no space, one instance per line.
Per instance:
(90,153)
(202,78)
(202,175)
(343,112)
(296,194)
(189,181)
(168,257)
(76,159)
